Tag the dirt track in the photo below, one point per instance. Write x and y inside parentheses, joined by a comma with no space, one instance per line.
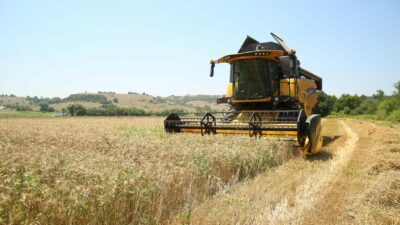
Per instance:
(309,193)
(355,180)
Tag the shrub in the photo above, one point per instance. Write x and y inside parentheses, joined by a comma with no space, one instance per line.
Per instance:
(50,109)
(325,104)
(379,95)
(367,106)
(23,108)
(37,101)
(116,111)
(19,107)
(347,102)
(387,106)
(44,107)
(76,109)
(394,116)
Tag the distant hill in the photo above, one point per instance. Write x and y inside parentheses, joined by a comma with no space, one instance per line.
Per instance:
(143,101)
(4,100)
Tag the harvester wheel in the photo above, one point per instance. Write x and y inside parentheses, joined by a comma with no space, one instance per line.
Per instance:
(313,142)
(230,113)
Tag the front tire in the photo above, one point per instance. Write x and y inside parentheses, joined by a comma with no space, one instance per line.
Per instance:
(313,143)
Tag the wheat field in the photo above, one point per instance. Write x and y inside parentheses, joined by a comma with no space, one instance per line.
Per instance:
(119,170)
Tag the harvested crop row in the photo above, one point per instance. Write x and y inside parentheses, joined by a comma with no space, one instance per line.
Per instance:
(118,170)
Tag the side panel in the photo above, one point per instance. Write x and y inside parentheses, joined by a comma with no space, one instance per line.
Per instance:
(304,90)
(288,87)
(229,90)
(307,94)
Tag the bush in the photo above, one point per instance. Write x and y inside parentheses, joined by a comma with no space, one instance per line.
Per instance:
(325,104)
(119,111)
(76,110)
(44,107)
(19,107)
(23,108)
(37,101)
(116,111)
(346,103)
(367,106)
(394,116)
(107,105)
(387,106)
(379,95)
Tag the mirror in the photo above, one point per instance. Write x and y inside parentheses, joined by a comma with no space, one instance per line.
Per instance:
(286,64)
(212,69)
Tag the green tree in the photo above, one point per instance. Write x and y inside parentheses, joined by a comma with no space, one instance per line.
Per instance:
(20,107)
(325,104)
(386,107)
(44,107)
(347,103)
(379,95)
(88,98)
(367,106)
(76,109)
(397,88)
(64,111)
(50,109)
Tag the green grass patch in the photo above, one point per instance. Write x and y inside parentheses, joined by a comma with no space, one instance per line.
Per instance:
(7,114)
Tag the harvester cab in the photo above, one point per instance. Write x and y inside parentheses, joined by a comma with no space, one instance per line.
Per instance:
(268,94)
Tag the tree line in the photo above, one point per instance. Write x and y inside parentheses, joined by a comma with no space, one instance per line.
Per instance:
(379,106)
(76,109)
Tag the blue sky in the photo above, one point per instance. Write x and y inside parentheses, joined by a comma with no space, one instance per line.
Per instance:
(55,48)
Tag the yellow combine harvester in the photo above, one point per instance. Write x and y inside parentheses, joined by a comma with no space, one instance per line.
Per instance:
(268,94)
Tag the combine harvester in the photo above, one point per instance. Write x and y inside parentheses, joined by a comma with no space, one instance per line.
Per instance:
(268,94)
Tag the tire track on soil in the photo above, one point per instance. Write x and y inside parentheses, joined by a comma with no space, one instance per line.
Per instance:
(313,188)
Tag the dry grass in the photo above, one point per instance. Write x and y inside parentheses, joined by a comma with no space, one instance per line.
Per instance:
(13,100)
(383,200)
(279,196)
(118,170)
(347,183)
(145,102)
(213,106)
